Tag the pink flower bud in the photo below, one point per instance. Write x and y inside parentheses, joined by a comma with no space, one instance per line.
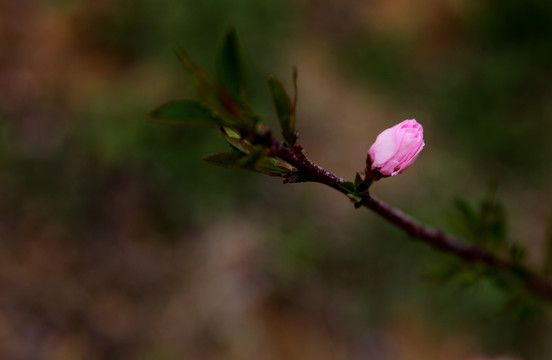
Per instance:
(395,149)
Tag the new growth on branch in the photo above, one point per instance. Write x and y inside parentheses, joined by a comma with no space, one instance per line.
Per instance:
(225,105)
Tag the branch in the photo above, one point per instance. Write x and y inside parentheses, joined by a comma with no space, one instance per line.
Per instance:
(308,171)
(225,105)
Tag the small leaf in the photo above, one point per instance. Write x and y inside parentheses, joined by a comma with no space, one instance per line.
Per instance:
(230,69)
(354,197)
(230,159)
(464,219)
(349,186)
(231,133)
(258,159)
(294,103)
(358,179)
(187,61)
(492,221)
(257,162)
(236,141)
(235,160)
(252,161)
(468,214)
(365,185)
(202,81)
(284,110)
(222,96)
(273,166)
(293,116)
(186,112)
(362,185)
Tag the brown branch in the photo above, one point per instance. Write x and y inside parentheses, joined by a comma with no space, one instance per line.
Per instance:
(308,171)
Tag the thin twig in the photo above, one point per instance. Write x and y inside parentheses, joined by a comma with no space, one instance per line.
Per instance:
(309,171)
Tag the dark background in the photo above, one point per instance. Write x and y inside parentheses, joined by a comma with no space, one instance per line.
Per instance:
(118,242)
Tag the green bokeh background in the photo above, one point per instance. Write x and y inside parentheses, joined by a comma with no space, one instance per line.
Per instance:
(118,242)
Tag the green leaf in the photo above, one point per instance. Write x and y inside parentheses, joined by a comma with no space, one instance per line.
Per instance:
(202,81)
(227,96)
(257,162)
(468,214)
(273,166)
(230,69)
(361,185)
(492,221)
(258,155)
(349,186)
(365,185)
(229,160)
(187,61)
(236,141)
(354,197)
(284,110)
(250,161)
(358,180)
(186,112)
(292,117)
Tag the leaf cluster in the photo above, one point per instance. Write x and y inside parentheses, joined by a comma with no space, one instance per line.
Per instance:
(485,224)
(358,190)
(224,103)
(512,296)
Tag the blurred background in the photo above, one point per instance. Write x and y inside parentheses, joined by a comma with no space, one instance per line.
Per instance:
(118,242)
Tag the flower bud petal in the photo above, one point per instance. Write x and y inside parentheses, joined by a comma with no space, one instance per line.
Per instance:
(395,149)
